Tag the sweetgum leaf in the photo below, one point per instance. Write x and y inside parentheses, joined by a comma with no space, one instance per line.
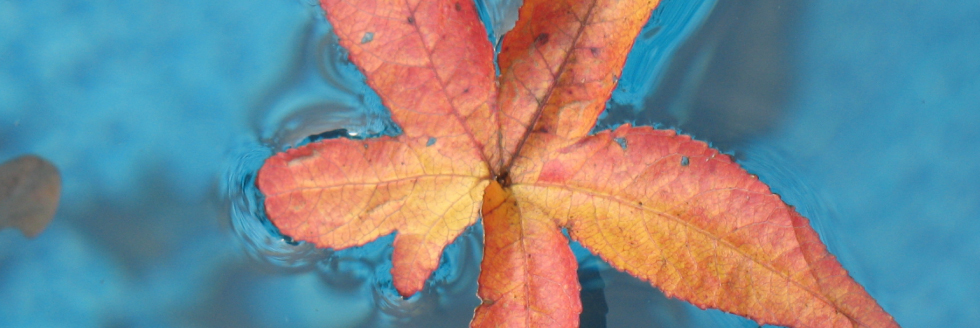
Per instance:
(663,207)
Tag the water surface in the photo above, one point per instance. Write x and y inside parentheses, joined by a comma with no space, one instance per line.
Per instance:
(861,115)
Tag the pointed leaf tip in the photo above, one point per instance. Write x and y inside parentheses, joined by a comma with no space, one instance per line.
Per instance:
(677,213)
(528,274)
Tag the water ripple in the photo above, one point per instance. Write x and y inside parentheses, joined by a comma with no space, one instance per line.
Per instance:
(670,25)
(783,178)
(262,240)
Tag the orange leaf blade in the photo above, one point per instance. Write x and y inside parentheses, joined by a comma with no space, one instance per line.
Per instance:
(675,212)
(528,274)
(340,193)
(430,62)
(560,64)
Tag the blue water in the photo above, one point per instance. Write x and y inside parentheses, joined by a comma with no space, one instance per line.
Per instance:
(158,114)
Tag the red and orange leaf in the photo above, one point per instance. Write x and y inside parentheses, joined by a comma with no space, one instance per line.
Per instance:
(663,207)
(673,211)
(560,64)
(528,275)
(430,61)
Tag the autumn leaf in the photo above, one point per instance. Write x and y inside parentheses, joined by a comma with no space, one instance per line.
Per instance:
(663,207)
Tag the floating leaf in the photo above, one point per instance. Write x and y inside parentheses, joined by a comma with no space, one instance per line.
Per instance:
(663,207)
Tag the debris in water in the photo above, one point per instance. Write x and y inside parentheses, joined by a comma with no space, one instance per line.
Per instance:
(30,187)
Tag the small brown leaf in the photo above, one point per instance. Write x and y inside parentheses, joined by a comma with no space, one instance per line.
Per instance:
(30,187)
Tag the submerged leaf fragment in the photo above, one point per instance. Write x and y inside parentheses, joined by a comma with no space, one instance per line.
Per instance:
(30,188)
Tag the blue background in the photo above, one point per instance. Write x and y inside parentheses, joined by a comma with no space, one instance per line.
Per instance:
(157,113)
